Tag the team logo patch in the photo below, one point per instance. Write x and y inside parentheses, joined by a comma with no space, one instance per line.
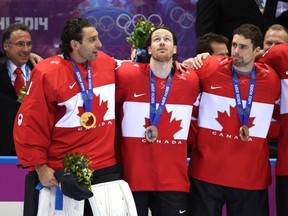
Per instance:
(20,119)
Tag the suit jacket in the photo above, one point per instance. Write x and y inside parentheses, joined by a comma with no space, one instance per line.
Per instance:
(223,16)
(8,109)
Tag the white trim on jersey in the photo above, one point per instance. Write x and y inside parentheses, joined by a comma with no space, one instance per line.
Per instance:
(72,119)
(135,113)
(208,113)
(284,97)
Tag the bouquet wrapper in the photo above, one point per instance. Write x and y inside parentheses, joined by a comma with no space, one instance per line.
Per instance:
(46,205)
(112,198)
(141,58)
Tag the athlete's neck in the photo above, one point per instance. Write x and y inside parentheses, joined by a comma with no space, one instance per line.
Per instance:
(243,72)
(77,59)
(244,69)
(161,69)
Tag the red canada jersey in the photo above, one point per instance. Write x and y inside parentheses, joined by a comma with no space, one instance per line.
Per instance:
(219,156)
(277,58)
(48,126)
(161,165)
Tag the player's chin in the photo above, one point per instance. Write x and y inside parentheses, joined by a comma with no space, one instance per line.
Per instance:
(236,62)
(93,57)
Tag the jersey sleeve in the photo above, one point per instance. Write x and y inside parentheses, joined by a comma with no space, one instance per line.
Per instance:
(210,66)
(34,117)
(276,57)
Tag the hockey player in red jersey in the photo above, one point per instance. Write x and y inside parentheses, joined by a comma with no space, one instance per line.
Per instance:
(277,58)
(69,108)
(154,102)
(230,160)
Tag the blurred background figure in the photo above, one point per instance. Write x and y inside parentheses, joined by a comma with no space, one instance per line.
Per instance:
(214,44)
(222,16)
(275,34)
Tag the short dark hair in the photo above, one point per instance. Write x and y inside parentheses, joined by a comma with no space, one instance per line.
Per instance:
(157,27)
(251,32)
(204,42)
(6,37)
(73,31)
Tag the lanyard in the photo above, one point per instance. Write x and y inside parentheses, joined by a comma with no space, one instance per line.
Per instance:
(243,113)
(87,95)
(27,74)
(156,114)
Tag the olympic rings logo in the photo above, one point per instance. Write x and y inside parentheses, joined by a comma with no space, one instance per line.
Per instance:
(127,23)
(106,26)
(182,17)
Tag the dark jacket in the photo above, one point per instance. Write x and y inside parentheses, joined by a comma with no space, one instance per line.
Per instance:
(8,109)
(223,16)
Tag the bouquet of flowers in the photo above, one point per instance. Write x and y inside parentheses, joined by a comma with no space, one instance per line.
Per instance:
(22,93)
(140,34)
(75,184)
(79,166)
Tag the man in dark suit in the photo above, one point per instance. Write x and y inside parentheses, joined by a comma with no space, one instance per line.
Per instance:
(17,44)
(270,11)
(222,16)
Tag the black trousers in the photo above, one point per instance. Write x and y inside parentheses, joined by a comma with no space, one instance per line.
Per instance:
(161,203)
(282,195)
(208,199)
(31,195)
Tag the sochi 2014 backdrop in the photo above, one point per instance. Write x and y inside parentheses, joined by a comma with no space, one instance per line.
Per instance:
(114,20)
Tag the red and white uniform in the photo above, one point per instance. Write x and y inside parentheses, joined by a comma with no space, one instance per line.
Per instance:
(48,123)
(219,155)
(277,58)
(161,165)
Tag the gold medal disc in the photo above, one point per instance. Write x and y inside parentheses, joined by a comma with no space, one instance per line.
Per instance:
(88,120)
(151,133)
(244,132)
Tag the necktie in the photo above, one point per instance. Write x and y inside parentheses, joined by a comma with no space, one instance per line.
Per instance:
(19,81)
(260,5)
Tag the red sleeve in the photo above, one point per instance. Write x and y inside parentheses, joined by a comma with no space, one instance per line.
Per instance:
(34,118)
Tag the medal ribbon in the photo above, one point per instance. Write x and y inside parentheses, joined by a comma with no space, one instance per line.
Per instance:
(87,95)
(243,114)
(155,115)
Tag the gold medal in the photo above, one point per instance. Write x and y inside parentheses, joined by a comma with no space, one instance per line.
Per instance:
(151,133)
(244,132)
(88,120)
